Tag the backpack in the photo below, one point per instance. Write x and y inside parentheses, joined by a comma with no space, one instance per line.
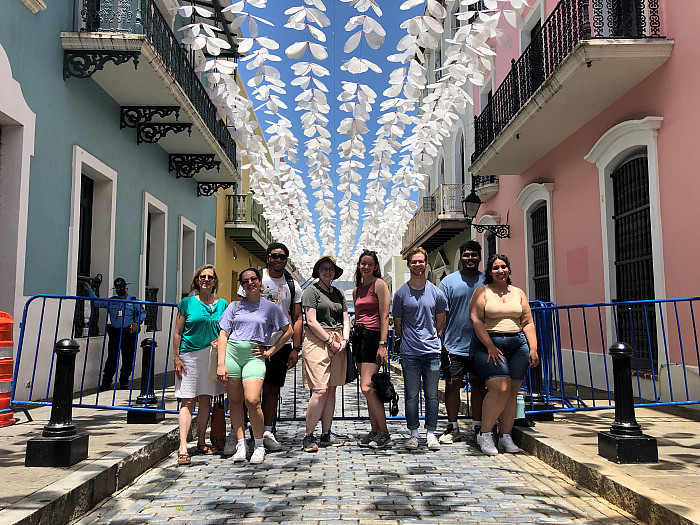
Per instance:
(292,292)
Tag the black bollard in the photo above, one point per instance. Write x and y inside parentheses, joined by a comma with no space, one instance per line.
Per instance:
(60,445)
(147,397)
(625,442)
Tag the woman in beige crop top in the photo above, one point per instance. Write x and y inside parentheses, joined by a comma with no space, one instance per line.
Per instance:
(505,344)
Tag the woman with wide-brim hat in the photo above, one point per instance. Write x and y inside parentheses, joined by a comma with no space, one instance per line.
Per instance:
(324,356)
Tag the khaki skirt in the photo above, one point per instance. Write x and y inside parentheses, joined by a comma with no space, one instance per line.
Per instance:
(320,367)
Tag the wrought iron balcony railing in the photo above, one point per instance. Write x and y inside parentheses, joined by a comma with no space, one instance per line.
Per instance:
(143,17)
(447,200)
(571,22)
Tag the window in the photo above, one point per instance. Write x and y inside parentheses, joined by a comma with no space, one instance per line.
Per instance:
(186,257)
(91,253)
(628,174)
(536,201)
(540,253)
(634,264)
(209,255)
(154,249)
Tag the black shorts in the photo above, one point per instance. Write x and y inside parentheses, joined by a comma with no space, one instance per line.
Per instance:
(462,365)
(365,346)
(276,366)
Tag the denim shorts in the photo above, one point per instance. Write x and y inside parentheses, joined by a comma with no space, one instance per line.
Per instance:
(515,350)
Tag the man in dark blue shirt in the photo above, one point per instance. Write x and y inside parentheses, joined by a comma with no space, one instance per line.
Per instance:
(123,328)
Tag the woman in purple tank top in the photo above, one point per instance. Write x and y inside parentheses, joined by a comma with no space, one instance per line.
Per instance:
(372,302)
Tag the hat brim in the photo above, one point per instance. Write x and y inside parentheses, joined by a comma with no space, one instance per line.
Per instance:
(338,269)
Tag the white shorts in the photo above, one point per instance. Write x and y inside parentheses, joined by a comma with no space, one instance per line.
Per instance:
(196,381)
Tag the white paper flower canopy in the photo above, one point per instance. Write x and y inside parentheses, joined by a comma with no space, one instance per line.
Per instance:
(278,186)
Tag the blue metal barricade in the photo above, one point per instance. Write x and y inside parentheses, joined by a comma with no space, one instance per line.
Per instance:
(49,318)
(575,370)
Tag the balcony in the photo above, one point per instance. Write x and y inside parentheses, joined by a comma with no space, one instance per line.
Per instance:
(246,225)
(485,186)
(438,220)
(586,56)
(130,50)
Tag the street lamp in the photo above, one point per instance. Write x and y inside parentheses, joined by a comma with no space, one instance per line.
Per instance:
(470,207)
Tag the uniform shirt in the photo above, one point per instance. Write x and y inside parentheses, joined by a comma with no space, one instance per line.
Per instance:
(277,291)
(201,323)
(417,310)
(458,289)
(256,321)
(120,314)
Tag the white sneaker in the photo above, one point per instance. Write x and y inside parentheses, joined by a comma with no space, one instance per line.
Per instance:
(485,442)
(230,446)
(270,442)
(258,455)
(506,443)
(433,443)
(411,443)
(241,452)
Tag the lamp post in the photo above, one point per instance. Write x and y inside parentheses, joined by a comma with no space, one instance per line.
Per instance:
(470,208)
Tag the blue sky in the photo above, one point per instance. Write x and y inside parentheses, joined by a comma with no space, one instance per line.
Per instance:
(339,13)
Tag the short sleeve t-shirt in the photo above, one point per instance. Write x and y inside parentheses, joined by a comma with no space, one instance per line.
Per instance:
(329,307)
(277,290)
(417,310)
(253,321)
(458,289)
(201,323)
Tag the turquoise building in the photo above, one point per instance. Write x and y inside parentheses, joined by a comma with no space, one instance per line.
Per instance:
(110,151)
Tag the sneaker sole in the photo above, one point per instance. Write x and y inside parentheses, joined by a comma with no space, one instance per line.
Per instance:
(446,441)
(311,449)
(274,448)
(238,460)
(379,447)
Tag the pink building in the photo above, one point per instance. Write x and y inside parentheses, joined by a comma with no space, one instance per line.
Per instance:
(587,130)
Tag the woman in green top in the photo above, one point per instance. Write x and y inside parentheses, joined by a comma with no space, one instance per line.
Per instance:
(323,353)
(196,327)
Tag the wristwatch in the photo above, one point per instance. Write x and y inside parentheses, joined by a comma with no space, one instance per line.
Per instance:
(346,341)
(382,343)
(297,348)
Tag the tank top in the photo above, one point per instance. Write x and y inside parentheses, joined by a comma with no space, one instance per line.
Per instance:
(502,317)
(367,306)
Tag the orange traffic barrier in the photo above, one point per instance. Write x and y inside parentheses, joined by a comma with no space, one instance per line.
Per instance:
(6,368)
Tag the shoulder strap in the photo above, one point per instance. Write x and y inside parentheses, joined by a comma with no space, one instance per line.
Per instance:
(292,292)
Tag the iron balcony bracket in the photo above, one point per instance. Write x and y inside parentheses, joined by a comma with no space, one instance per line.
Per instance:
(207,189)
(84,64)
(151,133)
(502,231)
(132,116)
(187,165)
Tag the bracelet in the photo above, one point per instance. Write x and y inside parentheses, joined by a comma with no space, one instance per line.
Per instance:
(329,339)
(382,343)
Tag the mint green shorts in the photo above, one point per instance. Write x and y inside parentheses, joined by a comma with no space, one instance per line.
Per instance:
(241,363)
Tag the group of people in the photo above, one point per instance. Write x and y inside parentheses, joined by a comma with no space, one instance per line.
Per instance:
(473,325)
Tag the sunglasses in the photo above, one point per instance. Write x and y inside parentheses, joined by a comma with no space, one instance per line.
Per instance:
(251,280)
(369,252)
(277,256)
(206,277)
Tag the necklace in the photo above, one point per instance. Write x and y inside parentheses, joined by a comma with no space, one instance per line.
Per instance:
(322,285)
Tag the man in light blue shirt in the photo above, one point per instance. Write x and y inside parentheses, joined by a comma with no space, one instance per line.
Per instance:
(458,288)
(123,328)
(419,312)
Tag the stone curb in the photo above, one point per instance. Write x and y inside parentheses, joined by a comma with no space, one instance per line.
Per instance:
(613,486)
(79,492)
(610,485)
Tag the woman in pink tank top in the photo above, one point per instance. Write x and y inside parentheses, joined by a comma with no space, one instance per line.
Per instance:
(372,303)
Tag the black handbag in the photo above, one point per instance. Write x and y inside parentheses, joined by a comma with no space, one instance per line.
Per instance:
(356,339)
(385,390)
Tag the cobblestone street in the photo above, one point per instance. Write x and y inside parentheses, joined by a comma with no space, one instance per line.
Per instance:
(355,485)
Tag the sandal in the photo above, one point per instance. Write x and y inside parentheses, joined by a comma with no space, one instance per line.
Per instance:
(183,459)
(205,449)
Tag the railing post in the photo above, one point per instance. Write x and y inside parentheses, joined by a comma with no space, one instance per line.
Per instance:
(585,19)
(146,396)
(625,442)
(535,401)
(60,445)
